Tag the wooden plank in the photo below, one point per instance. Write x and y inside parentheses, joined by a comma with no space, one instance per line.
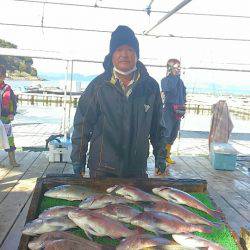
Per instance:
(16,199)
(14,235)
(68,169)
(236,181)
(4,170)
(236,174)
(54,168)
(241,205)
(181,170)
(15,174)
(3,155)
(232,217)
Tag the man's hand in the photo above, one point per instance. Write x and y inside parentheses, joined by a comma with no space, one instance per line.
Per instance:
(79,169)
(160,166)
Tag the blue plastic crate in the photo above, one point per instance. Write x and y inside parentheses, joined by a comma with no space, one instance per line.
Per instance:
(223,156)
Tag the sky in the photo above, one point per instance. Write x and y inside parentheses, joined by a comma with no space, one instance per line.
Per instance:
(153,50)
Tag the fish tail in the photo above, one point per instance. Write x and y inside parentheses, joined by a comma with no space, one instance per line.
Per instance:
(218,225)
(216,214)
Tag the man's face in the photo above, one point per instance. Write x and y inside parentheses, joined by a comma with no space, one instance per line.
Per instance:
(2,77)
(176,69)
(124,58)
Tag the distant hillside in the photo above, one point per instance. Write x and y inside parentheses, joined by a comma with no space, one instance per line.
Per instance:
(51,76)
(17,66)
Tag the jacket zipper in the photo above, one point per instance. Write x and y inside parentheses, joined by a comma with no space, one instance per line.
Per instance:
(101,149)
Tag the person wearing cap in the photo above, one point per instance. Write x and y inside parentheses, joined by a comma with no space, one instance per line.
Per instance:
(120,110)
(8,106)
(174,95)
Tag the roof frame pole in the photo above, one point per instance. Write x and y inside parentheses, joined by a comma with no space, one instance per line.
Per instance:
(65,99)
(70,98)
(170,13)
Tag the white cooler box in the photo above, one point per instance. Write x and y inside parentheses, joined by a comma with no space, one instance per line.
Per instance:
(59,150)
(223,156)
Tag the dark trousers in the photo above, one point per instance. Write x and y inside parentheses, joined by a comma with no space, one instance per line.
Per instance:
(171,124)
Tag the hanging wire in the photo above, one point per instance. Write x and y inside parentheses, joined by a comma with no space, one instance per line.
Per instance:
(136,10)
(139,34)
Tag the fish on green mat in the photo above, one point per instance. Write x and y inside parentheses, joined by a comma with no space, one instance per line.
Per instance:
(40,242)
(141,241)
(97,224)
(163,223)
(190,240)
(45,225)
(57,211)
(179,211)
(101,200)
(69,192)
(132,193)
(181,197)
(119,212)
(222,236)
(63,244)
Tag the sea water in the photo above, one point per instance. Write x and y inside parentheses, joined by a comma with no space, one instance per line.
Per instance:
(40,113)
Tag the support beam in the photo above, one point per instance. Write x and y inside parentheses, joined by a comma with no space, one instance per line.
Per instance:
(179,6)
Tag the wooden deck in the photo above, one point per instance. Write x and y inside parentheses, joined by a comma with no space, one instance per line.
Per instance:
(230,190)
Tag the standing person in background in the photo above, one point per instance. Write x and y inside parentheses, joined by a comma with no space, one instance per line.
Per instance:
(118,113)
(174,96)
(8,107)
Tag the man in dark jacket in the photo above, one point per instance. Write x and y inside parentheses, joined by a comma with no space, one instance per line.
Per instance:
(118,113)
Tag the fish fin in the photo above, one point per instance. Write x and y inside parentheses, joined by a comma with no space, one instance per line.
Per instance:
(88,235)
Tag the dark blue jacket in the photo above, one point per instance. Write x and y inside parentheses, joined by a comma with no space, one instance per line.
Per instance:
(174,90)
(118,128)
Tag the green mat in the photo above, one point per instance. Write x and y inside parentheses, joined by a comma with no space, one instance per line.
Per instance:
(221,236)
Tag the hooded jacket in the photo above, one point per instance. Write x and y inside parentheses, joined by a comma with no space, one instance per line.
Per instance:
(118,127)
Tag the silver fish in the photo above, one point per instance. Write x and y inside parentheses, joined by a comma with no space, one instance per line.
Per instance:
(141,241)
(183,198)
(100,225)
(101,200)
(69,192)
(68,244)
(39,242)
(132,193)
(162,223)
(119,212)
(58,211)
(179,211)
(190,240)
(40,226)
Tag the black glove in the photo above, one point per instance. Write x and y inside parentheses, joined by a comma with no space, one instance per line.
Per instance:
(160,165)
